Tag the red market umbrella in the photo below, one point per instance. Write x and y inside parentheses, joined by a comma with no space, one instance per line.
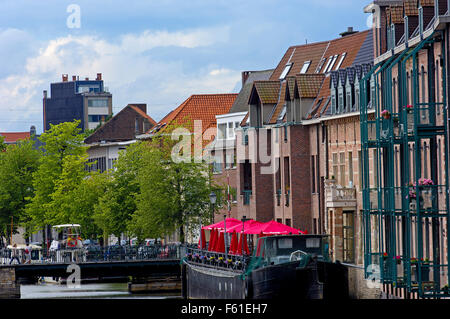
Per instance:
(212,240)
(234,243)
(243,237)
(202,240)
(273,228)
(220,225)
(247,225)
(220,246)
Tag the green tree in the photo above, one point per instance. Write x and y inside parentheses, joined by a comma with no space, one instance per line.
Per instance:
(117,204)
(17,165)
(63,144)
(172,194)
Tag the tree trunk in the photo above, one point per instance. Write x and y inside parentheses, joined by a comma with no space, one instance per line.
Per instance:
(182,237)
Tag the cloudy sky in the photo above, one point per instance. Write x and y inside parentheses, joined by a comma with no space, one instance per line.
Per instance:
(157,52)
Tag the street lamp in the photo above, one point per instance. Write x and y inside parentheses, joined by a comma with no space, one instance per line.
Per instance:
(244,219)
(212,199)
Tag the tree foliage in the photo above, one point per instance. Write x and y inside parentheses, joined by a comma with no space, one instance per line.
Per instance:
(63,144)
(17,165)
(172,193)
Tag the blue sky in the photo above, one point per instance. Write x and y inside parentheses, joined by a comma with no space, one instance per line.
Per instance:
(154,52)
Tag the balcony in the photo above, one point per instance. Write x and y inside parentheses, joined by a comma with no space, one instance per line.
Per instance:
(338,196)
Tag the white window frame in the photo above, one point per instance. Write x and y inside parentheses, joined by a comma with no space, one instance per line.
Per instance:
(341,60)
(305,67)
(286,70)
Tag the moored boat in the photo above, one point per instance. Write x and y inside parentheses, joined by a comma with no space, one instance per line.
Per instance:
(286,266)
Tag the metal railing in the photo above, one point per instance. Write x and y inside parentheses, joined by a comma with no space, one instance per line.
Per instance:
(94,254)
(217,260)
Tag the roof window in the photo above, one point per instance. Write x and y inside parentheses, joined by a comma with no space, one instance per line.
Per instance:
(341,60)
(333,61)
(286,70)
(305,67)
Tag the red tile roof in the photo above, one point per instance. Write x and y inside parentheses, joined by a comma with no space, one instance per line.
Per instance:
(310,83)
(14,137)
(200,107)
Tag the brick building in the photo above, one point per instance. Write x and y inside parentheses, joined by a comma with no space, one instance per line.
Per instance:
(116,134)
(280,145)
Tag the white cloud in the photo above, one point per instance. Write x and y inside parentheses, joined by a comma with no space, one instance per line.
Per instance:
(128,68)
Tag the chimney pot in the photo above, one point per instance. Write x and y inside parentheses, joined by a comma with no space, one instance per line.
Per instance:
(99,76)
(74,77)
(65,77)
(87,79)
(45,94)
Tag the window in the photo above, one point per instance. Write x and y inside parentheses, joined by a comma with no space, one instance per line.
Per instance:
(283,113)
(375,168)
(230,132)
(331,64)
(350,169)
(360,173)
(286,70)
(335,166)
(288,222)
(342,168)
(217,166)
(98,103)
(330,59)
(305,67)
(96,118)
(313,174)
(320,65)
(340,61)
(349,238)
(221,131)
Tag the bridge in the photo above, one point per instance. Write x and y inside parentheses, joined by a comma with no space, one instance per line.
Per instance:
(143,264)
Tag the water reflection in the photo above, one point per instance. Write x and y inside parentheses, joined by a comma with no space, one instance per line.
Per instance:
(87,291)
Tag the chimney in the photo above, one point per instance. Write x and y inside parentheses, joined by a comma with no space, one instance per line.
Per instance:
(65,77)
(87,79)
(45,94)
(74,77)
(348,32)
(245,76)
(99,77)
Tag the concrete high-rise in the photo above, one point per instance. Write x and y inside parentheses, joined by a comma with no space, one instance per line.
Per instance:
(86,100)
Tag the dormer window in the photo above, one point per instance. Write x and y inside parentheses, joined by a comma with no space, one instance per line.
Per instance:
(285,72)
(305,67)
(333,101)
(340,61)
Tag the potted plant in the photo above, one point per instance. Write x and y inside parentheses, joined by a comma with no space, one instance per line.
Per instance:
(445,289)
(386,114)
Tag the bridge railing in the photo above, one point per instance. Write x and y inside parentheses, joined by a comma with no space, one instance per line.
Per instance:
(94,254)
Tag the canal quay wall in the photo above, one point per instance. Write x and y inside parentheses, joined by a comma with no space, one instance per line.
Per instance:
(358,285)
(9,287)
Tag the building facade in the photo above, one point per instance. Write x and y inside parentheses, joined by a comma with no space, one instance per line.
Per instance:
(85,100)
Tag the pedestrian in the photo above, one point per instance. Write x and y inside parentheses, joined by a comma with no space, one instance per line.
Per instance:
(14,254)
(28,254)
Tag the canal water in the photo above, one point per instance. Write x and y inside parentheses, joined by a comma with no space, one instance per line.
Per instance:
(86,291)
